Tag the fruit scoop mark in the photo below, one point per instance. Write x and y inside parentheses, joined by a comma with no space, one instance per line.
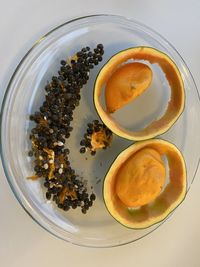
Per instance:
(141,178)
(125,84)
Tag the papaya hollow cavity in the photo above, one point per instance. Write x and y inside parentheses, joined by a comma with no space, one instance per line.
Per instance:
(140,178)
(159,203)
(175,105)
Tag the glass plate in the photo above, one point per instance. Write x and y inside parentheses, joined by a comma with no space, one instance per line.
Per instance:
(25,94)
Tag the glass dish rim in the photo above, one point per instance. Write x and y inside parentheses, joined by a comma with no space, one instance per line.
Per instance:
(23,204)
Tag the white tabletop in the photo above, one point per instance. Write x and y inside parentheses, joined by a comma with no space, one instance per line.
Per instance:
(22,241)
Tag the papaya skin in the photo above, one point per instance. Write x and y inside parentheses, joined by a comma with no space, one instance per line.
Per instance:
(141,178)
(127,83)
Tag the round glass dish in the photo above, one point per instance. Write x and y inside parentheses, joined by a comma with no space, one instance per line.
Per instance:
(25,94)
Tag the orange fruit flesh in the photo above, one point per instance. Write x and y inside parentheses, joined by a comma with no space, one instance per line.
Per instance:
(100,139)
(125,84)
(141,178)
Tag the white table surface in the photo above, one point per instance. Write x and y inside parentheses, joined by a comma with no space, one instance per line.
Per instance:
(22,241)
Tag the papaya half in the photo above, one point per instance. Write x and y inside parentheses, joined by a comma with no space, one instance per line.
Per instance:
(124,81)
(136,191)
